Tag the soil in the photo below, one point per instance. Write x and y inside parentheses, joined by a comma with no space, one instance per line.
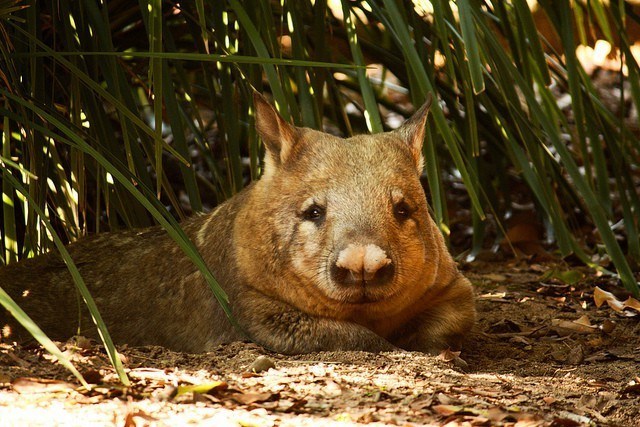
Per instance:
(542,354)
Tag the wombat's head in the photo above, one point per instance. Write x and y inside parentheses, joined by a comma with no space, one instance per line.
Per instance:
(347,217)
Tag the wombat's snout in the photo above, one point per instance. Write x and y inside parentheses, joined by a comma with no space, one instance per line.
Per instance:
(362,265)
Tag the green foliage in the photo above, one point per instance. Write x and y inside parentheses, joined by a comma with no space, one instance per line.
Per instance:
(122,115)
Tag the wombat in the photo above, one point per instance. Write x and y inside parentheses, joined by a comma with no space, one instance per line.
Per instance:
(332,249)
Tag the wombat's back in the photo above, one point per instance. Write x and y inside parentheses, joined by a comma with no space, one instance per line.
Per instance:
(147,290)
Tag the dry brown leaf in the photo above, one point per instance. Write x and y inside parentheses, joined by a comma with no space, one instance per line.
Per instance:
(130,418)
(632,303)
(447,400)
(249,398)
(41,385)
(584,320)
(600,297)
(446,410)
(564,327)
(421,403)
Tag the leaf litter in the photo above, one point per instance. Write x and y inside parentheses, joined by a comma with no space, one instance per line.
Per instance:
(544,353)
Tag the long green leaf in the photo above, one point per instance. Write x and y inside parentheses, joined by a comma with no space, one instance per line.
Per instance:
(41,337)
(82,287)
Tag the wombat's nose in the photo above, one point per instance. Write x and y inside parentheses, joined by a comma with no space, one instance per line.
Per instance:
(362,264)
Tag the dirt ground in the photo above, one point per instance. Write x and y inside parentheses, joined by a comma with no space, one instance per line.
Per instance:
(542,354)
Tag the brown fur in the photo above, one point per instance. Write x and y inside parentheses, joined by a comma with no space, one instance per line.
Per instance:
(274,249)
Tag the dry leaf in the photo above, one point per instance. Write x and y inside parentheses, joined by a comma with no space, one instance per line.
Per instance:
(566,327)
(249,398)
(584,321)
(632,303)
(601,296)
(41,385)
(446,410)
(129,420)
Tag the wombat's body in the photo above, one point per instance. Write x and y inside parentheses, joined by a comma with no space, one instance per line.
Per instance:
(333,248)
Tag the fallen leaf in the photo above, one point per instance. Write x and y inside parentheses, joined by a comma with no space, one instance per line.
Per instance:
(421,403)
(600,297)
(129,420)
(447,400)
(566,327)
(632,303)
(584,320)
(201,388)
(446,410)
(41,385)
(249,398)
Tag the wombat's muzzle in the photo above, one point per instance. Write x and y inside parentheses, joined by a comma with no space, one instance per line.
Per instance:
(362,265)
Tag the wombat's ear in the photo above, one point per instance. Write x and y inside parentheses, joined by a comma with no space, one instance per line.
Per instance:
(412,132)
(278,136)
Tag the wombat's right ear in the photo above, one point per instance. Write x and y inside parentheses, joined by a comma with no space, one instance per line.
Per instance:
(412,132)
(278,136)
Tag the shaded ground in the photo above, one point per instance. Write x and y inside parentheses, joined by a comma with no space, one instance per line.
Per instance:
(528,364)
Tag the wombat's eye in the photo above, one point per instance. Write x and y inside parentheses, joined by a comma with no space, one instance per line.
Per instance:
(402,210)
(313,213)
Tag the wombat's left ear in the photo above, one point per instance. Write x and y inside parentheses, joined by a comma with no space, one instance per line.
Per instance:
(277,134)
(412,132)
